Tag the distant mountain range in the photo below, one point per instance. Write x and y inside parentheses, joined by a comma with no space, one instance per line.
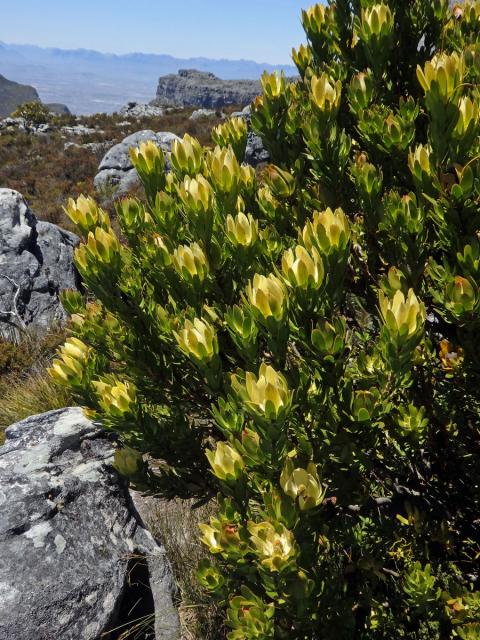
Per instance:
(90,81)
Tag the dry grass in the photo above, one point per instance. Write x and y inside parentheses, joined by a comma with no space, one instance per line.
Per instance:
(175,523)
(29,396)
(25,387)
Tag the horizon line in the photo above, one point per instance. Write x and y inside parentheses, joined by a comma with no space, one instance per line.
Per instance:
(143,53)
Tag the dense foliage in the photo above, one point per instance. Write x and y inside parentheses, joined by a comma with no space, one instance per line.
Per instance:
(310,334)
(33,113)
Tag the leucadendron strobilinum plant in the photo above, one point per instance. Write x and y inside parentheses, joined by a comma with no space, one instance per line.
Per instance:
(305,340)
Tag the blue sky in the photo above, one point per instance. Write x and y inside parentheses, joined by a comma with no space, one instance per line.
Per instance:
(261,30)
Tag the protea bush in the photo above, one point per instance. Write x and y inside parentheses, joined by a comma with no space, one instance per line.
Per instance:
(305,340)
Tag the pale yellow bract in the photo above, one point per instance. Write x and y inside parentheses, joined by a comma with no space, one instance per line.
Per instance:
(190,262)
(226,462)
(303,269)
(302,484)
(326,93)
(198,340)
(267,295)
(186,156)
(242,230)
(404,316)
(267,395)
(274,544)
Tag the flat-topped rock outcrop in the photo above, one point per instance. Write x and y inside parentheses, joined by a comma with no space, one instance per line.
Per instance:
(192,88)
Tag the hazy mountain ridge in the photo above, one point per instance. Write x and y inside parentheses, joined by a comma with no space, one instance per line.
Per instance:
(90,81)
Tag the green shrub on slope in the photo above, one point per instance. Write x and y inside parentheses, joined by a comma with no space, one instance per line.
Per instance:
(311,335)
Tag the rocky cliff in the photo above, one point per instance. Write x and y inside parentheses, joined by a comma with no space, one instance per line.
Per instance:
(12,94)
(191,88)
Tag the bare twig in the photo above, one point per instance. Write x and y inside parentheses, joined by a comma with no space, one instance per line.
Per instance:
(17,319)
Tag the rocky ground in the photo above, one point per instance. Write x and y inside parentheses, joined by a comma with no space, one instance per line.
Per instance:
(60,159)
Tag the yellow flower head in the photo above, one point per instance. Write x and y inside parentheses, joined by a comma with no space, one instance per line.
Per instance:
(328,231)
(69,369)
(303,269)
(232,133)
(326,94)
(273,85)
(267,396)
(127,461)
(190,262)
(267,297)
(211,538)
(227,464)
(303,484)
(224,170)
(273,543)
(196,195)
(242,230)
(198,340)
(117,399)
(313,18)
(377,21)
(441,77)
(187,156)
(86,214)
(147,158)
(403,316)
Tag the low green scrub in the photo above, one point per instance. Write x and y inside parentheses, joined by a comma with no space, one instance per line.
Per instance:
(305,342)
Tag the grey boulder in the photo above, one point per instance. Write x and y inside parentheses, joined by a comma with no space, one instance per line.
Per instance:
(36,264)
(79,130)
(246,113)
(13,124)
(116,170)
(71,539)
(138,110)
(255,152)
(205,114)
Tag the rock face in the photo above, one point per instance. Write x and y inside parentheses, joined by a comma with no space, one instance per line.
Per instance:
(191,88)
(116,170)
(68,533)
(58,109)
(13,94)
(36,263)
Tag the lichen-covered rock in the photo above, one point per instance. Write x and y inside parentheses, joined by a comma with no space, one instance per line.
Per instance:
(79,130)
(255,153)
(245,113)
(138,110)
(68,532)
(36,264)
(116,170)
(205,114)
